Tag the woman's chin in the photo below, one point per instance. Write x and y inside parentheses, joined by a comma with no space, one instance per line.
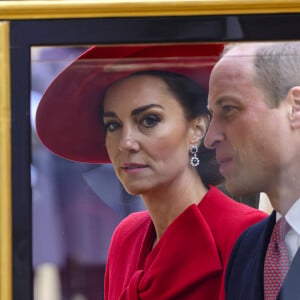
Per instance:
(135,189)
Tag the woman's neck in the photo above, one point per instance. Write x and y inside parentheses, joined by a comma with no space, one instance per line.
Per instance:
(167,203)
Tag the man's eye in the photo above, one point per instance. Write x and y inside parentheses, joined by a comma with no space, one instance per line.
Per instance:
(149,120)
(227,108)
(111,126)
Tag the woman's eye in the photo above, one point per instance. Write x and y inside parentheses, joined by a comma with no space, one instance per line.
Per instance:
(111,126)
(149,120)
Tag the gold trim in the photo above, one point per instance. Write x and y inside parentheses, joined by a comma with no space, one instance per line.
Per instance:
(54,9)
(5,168)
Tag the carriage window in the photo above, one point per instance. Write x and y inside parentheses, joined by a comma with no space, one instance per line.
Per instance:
(77,205)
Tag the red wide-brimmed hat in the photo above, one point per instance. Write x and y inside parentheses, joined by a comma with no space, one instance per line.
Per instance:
(68,117)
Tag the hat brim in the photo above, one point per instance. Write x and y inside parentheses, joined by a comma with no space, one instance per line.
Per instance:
(68,116)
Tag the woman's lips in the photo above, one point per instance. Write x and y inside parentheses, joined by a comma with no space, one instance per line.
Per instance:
(133,167)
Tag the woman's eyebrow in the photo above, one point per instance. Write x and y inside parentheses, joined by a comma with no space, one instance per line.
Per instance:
(143,108)
(136,111)
(109,114)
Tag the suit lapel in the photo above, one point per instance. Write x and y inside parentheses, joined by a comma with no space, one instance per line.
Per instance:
(255,289)
(291,286)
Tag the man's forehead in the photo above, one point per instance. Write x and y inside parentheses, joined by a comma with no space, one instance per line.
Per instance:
(231,69)
(244,49)
(234,70)
(239,56)
(237,62)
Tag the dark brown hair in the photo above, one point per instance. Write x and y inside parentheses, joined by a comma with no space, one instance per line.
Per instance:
(193,99)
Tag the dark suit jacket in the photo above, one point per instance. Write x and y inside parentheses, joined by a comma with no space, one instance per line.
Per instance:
(244,275)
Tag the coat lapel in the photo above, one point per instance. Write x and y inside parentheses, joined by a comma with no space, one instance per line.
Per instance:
(255,288)
(291,286)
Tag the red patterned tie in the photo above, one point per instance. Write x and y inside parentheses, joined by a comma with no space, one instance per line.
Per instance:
(276,261)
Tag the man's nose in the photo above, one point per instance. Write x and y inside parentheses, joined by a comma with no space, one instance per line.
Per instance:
(214,135)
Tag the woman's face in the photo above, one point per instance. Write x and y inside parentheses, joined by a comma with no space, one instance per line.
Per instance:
(147,134)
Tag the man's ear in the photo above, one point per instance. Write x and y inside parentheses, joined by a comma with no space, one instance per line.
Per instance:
(295,107)
(199,128)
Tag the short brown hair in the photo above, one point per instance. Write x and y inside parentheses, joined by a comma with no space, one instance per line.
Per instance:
(277,69)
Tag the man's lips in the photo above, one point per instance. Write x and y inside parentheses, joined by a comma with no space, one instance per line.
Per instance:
(224,163)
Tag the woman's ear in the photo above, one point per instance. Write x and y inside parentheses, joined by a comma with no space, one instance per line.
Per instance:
(295,107)
(199,128)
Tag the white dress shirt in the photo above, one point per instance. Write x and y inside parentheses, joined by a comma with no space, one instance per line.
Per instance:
(292,238)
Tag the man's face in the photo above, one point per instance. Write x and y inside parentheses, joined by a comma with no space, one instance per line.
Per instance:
(247,134)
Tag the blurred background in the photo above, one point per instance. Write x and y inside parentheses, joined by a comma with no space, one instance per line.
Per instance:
(75,206)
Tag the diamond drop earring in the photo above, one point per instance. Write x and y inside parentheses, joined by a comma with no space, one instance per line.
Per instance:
(195,161)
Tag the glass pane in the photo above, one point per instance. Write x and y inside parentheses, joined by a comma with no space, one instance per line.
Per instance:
(75,206)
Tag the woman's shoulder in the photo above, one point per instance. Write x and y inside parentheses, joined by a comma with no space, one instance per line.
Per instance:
(216,203)
(228,218)
(135,219)
(132,225)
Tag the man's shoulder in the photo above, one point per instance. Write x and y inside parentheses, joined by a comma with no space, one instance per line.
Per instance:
(251,242)
(252,234)
(246,263)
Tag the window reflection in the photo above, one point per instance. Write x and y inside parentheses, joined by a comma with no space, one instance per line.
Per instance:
(75,206)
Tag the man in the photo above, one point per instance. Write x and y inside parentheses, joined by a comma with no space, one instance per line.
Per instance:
(254,98)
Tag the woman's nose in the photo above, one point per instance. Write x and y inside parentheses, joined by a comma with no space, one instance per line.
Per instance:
(129,140)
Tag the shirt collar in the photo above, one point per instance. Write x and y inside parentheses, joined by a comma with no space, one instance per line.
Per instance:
(292,216)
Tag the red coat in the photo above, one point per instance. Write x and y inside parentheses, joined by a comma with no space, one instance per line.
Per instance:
(189,260)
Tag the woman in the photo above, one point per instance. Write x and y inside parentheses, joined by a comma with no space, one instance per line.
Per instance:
(147,115)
